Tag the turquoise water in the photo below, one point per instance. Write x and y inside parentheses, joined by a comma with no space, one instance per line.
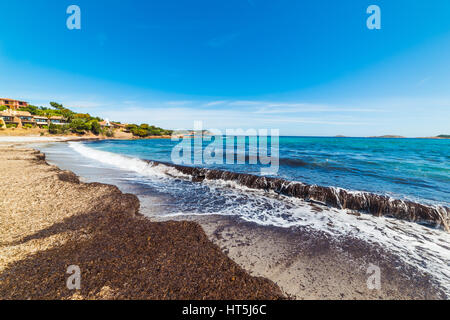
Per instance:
(415,169)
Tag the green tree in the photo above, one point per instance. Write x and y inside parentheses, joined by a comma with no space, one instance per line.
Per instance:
(57,105)
(79,126)
(82,116)
(131,127)
(95,127)
(140,132)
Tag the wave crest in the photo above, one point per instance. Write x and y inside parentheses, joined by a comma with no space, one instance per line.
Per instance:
(377,205)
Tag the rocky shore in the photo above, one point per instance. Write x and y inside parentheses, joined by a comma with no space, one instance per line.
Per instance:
(49,220)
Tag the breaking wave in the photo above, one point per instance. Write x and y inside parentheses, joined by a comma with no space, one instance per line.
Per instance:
(377,205)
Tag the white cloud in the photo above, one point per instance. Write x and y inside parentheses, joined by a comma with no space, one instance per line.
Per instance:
(176,118)
(272,108)
(245,103)
(178,103)
(215,103)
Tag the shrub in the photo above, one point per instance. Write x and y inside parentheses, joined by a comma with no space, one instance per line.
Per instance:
(64,129)
(27,126)
(82,116)
(131,127)
(58,129)
(145,130)
(53,128)
(95,127)
(140,132)
(109,133)
(79,126)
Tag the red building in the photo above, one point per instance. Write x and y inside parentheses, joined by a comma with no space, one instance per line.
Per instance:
(13,104)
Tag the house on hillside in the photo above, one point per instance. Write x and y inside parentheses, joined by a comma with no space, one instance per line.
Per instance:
(13,104)
(105,124)
(118,125)
(114,125)
(10,119)
(25,117)
(57,120)
(41,121)
(17,118)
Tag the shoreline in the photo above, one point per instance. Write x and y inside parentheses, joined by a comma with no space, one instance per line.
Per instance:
(50,220)
(356,202)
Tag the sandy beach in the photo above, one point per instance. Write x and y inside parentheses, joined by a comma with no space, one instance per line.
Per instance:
(50,221)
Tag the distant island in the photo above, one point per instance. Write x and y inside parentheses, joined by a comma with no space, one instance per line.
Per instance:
(388,136)
(441,136)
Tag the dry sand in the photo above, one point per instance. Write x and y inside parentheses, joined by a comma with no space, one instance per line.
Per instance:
(49,221)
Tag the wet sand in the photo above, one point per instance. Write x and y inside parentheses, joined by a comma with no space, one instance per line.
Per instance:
(49,221)
(308,264)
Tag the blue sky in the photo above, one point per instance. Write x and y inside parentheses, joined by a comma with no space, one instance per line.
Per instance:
(305,67)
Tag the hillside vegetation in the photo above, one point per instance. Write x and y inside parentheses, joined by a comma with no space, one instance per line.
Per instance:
(83,123)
